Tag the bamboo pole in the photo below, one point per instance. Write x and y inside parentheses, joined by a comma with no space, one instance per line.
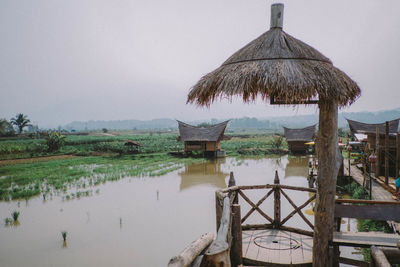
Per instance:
(236,248)
(189,254)
(328,167)
(387,153)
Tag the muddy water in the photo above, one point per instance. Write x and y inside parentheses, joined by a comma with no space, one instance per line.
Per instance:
(137,221)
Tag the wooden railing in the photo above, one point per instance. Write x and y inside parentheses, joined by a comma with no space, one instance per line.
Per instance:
(271,221)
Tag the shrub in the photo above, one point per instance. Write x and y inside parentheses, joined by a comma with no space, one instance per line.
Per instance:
(54,141)
(277,141)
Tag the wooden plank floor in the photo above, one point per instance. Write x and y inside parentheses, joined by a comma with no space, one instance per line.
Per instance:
(276,246)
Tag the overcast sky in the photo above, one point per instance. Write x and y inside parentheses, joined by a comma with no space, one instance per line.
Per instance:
(69,60)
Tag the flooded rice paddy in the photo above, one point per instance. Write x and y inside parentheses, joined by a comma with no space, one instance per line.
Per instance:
(140,221)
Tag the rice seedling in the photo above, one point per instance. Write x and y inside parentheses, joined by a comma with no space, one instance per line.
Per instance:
(15,215)
(64,235)
(8,221)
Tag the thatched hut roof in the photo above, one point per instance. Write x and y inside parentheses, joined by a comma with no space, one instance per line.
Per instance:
(195,133)
(304,134)
(357,127)
(276,65)
(132,143)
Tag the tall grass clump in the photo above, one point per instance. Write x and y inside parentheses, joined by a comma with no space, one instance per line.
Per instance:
(15,215)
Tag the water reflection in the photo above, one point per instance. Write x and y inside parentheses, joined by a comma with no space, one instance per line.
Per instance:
(297,166)
(203,173)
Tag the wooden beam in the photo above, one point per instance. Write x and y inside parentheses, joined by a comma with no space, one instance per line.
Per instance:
(364,201)
(328,168)
(378,153)
(257,205)
(397,154)
(218,252)
(298,210)
(277,203)
(189,254)
(392,254)
(387,153)
(219,200)
(379,257)
(353,262)
(236,248)
(377,212)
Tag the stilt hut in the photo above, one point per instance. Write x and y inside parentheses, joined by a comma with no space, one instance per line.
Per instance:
(281,68)
(206,139)
(297,138)
(383,138)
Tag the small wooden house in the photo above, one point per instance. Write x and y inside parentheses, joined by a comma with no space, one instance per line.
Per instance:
(132,146)
(206,139)
(367,132)
(297,138)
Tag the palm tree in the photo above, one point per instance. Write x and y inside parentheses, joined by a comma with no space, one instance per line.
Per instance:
(20,121)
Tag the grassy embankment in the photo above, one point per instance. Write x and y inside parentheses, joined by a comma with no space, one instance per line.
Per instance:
(97,159)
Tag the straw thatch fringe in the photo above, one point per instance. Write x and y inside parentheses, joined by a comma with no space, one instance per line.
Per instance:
(276,64)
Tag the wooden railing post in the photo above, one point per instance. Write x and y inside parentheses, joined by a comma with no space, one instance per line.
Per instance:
(236,248)
(232,182)
(277,202)
(387,153)
(378,153)
(219,202)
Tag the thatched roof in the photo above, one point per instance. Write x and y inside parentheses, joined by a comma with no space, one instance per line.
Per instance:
(132,143)
(357,127)
(279,65)
(304,134)
(195,133)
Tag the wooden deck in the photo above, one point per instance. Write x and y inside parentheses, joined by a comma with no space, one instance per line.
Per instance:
(276,246)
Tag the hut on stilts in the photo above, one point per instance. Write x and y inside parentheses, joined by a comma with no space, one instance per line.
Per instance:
(384,140)
(287,71)
(297,138)
(206,139)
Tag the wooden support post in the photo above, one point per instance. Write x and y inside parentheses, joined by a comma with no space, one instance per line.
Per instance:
(217,253)
(232,182)
(379,258)
(336,250)
(219,200)
(189,254)
(397,154)
(329,158)
(377,153)
(236,248)
(392,255)
(277,203)
(387,153)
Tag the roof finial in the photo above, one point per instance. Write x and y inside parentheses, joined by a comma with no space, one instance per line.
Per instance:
(277,16)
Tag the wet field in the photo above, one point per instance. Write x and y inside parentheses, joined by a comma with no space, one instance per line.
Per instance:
(138,221)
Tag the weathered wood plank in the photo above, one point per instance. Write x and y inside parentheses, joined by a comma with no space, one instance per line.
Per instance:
(266,186)
(297,209)
(365,239)
(353,262)
(379,258)
(189,254)
(377,212)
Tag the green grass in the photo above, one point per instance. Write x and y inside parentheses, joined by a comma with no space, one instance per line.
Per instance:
(27,180)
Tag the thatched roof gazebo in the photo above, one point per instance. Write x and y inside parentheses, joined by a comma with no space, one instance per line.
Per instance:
(281,68)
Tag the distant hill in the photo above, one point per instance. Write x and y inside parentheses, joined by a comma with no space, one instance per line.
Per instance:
(274,123)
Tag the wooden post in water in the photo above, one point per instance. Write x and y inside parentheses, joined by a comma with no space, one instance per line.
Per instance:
(328,168)
(387,153)
(236,248)
(377,153)
(277,203)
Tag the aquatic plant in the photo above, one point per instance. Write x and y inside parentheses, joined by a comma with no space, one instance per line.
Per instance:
(15,215)
(64,235)
(7,221)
